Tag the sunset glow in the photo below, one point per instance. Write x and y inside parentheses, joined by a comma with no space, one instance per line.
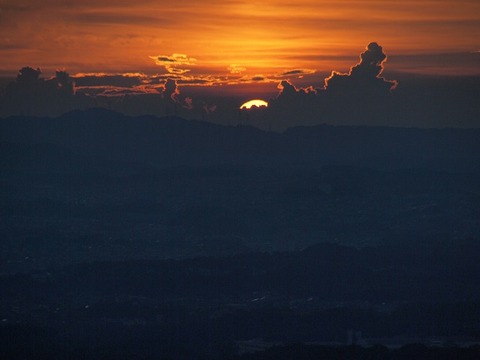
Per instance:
(240,179)
(257,37)
(202,62)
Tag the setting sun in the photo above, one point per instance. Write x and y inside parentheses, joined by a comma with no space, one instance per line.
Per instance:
(255,102)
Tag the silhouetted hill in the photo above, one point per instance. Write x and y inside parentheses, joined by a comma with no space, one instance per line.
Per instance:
(100,185)
(172,141)
(168,141)
(318,295)
(197,239)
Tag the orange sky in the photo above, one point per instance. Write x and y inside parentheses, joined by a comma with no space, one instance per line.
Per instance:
(237,40)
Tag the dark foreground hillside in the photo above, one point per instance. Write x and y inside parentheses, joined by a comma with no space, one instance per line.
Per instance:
(221,307)
(163,238)
(97,185)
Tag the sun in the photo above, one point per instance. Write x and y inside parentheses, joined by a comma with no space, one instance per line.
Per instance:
(255,102)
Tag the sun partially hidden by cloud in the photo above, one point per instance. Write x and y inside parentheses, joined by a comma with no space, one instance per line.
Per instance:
(252,103)
(185,87)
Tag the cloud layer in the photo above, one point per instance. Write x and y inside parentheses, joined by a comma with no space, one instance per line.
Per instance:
(361,96)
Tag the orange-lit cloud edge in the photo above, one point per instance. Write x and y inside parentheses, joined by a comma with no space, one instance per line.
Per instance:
(188,72)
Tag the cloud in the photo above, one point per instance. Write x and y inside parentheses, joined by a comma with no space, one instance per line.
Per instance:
(175,63)
(196,81)
(164,59)
(359,95)
(176,71)
(258,78)
(287,89)
(65,83)
(236,69)
(175,59)
(298,72)
(363,77)
(32,94)
(119,80)
(29,83)
(171,90)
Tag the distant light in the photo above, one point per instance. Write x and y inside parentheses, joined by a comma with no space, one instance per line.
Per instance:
(255,102)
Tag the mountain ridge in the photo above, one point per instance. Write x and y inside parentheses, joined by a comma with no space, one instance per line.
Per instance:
(172,141)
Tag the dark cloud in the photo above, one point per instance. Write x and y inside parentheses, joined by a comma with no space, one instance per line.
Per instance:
(171,90)
(65,83)
(194,81)
(298,72)
(161,78)
(108,80)
(287,89)
(178,59)
(180,79)
(31,94)
(134,94)
(165,59)
(115,92)
(293,72)
(360,95)
(28,77)
(363,77)
(364,97)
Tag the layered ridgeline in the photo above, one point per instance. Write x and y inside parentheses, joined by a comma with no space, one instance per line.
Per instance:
(102,135)
(100,185)
(154,237)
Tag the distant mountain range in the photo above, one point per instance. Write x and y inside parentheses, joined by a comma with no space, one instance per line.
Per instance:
(97,137)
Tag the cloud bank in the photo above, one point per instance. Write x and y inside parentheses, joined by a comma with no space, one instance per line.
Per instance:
(365,76)
(361,96)
(342,98)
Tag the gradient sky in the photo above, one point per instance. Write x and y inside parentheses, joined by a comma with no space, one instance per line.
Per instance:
(227,41)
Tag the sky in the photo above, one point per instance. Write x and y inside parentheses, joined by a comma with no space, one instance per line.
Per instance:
(243,49)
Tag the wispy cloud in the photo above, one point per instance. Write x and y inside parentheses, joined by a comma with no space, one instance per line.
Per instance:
(236,69)
(175,59)
(297,72)
(175,64)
